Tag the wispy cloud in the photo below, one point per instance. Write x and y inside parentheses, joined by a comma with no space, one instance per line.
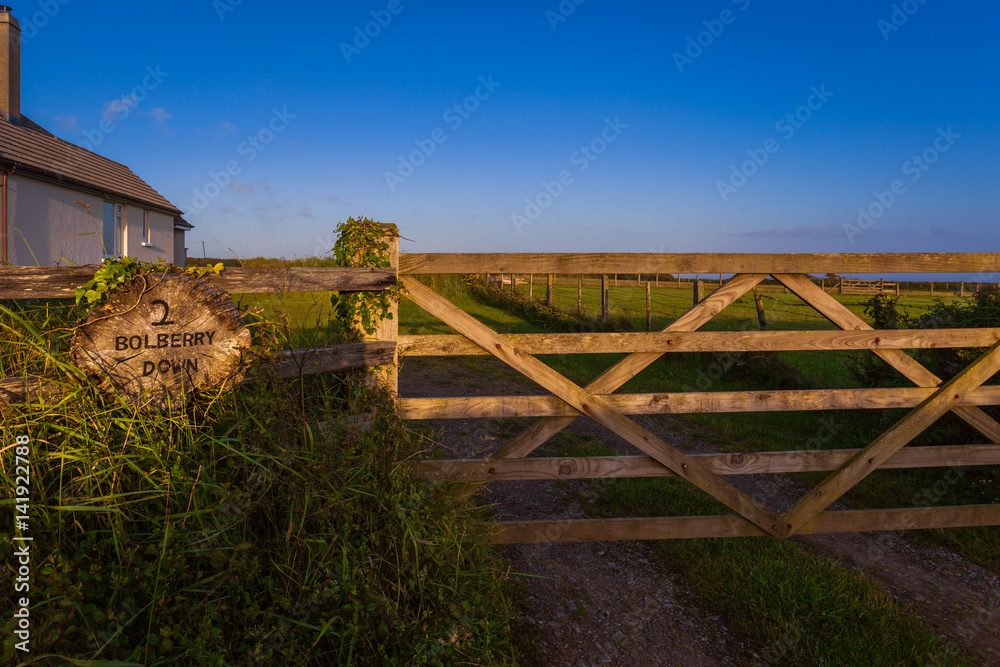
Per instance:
(823,232)
(226,126)
(242,188)
(264,184)
(306,212)
(69,123)
(160,117)
(333,198)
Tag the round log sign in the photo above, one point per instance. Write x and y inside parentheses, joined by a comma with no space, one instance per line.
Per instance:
(161,337)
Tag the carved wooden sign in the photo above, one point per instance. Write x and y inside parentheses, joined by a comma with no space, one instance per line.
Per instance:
(161,337)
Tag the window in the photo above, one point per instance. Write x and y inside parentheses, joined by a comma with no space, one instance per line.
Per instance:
(119,229)
(145,229)
(114,229)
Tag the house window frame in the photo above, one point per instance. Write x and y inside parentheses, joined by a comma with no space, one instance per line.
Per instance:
(119,229)
(146,229)
(113,236)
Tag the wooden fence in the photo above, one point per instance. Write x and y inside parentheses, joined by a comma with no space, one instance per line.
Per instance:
(867,287)
(929,399)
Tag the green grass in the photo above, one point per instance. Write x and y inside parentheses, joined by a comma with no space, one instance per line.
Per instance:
(804,609)
(238,529)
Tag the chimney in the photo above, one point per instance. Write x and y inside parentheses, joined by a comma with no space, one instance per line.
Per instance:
(10,65)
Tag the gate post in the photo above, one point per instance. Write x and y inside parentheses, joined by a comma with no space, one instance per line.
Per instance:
(388,328)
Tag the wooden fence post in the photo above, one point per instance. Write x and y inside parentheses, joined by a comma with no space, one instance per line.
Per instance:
(616,280)
(579,295)
(513,283)
(698,291)
(605,306)
(657,279)
(649,308)
(388,328)
(678,280)
(897,288)
(962,292)
(841,284)
(531,285)
(932,289)
(548,291)
(758,300)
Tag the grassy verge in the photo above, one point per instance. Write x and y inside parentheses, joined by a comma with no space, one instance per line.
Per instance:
(804,609)
(262,526)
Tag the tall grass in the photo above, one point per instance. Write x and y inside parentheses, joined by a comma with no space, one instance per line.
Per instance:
(262,526)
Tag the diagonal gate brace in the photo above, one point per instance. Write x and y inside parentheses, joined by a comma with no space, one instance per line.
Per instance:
(593,406)
(633,364)
(904,431)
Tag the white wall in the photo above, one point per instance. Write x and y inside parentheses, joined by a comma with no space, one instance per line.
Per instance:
(50,225)
(161,235)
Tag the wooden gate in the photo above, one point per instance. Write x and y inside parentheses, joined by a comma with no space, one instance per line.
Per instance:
(929,399)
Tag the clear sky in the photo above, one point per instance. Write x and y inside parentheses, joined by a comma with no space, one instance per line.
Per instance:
(573,126)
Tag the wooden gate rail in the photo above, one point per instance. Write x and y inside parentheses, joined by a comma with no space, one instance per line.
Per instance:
(443,345)
(682,403)
(694,263)
(928,400)
(754,463)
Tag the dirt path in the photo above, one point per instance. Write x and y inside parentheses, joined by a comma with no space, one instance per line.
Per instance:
(618,603)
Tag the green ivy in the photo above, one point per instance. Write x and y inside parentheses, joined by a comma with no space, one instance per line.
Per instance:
(363,242)
(117,271)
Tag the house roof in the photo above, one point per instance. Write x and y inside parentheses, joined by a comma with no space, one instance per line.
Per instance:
(33,150)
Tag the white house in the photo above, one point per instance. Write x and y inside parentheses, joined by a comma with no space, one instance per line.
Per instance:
(64,205)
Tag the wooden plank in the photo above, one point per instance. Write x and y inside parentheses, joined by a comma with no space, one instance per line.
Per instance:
(53,282)
(630,366)
(301,279)
(290,364)
(707,341)
(755,463)
(387,329)
(594,407)
(788,400)
(900,434)
(43,282)
(837,313)
(686,527)
(691,263)
(314,361)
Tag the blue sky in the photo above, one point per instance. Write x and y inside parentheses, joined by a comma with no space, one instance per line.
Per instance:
(716,126)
